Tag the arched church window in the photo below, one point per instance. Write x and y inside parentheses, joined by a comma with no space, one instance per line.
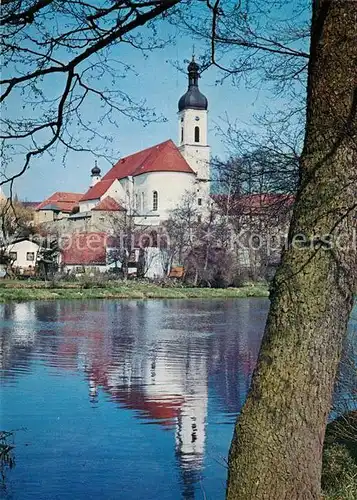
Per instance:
(155,200)
(197,134)
(181,134)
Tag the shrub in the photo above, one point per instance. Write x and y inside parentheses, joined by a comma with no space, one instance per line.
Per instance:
(339,473)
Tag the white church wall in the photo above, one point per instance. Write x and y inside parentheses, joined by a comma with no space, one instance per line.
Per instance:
(127,196)
(196,153)
(117,192)
(198,157)
(42,216)
(95,179)
(86,206)
(188,121)
(170,188)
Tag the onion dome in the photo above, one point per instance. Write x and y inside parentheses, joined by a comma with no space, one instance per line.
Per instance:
(193,99)
(95,170)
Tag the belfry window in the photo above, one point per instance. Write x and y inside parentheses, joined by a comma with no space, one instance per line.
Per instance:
(181,134)
(197,134)
(155,201)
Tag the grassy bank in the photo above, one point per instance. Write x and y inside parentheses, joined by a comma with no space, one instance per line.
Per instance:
(35,290)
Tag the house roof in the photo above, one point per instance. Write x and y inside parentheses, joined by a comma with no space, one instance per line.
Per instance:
(20,240)
(96,192)
(63,201)
(51,206)
(108,205)
(163,157)
(82,249)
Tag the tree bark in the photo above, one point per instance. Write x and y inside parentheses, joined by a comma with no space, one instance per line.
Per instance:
(276,452)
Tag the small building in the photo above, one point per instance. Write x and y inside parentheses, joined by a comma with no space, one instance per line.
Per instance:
(97,252)
(84,252)
(23,254)
(58,206)
(107,216)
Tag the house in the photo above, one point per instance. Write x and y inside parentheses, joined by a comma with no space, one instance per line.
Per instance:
(107,215)
(93,252)
(23,254)
(84,249)
(58,206)
(260,223)
(88,252)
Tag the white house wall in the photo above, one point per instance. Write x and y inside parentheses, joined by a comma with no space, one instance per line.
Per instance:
(22,248)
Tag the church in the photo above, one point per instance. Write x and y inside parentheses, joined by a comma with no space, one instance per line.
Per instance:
(152,182)
(149,184)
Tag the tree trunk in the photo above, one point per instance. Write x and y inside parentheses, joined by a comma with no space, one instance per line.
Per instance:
(276,451)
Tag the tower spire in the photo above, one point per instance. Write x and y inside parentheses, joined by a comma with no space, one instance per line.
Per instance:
(193,73)
(193,99)
(193,130)
(95,173)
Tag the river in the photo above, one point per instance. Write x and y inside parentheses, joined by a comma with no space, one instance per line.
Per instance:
(125,400)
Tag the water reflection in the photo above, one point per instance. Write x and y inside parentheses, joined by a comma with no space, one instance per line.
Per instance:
(183,366)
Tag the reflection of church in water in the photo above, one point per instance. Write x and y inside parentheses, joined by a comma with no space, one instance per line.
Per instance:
(162,372)
(171,396)
(148,362)
(166,383)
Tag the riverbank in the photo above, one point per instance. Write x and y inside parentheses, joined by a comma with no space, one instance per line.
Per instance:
(35,290)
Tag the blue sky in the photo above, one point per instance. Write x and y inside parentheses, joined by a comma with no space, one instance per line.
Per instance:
(161,84)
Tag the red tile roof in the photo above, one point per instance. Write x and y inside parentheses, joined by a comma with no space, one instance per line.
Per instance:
(108,205)
(64,201)
(80,249)
(96,192)
(164,157)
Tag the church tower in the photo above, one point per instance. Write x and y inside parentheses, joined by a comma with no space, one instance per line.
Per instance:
(193,128)
(95,174)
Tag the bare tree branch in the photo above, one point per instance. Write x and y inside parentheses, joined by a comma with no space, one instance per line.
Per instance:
(35,49)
